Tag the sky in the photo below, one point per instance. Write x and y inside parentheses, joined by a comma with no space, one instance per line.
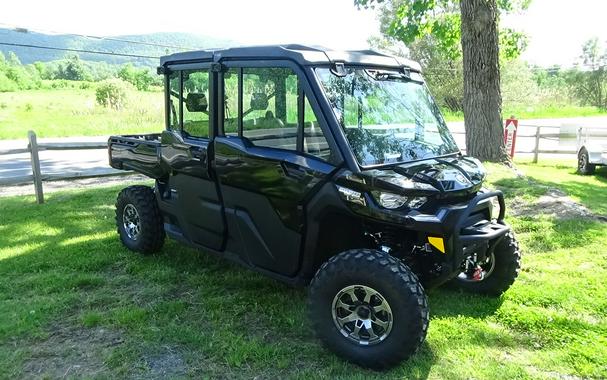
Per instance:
(556,28)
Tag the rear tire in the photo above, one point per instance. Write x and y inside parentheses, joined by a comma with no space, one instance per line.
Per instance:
(138,220)
(584,166)
(369,308)
(498,273)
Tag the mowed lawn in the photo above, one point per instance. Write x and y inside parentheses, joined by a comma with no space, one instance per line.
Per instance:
(75,303)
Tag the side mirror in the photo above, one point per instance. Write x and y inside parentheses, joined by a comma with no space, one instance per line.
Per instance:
(196,102)
(259,101)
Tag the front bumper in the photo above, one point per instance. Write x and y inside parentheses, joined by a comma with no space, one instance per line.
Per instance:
(466,231)
(485,235)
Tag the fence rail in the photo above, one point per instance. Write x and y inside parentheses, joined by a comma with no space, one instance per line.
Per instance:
(37,177)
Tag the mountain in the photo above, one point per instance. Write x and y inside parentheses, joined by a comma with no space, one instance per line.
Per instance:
(185,41)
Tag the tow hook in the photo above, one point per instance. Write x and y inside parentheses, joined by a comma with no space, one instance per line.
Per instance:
(478,273)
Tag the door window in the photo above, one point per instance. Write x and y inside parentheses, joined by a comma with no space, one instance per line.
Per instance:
(314,141)
(270,107)
(195,103)
(268,112)
(174,85)
(230,111)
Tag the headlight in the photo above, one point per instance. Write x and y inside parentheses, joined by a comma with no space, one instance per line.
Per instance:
(409,184)
(417,202)
(393,201)
(352,196)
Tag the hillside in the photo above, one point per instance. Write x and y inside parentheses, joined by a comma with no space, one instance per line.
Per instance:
(30,55)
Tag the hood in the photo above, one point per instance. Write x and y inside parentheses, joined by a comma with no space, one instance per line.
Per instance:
(449,176)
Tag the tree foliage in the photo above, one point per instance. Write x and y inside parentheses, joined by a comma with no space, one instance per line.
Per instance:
(112,93)
(410,20)
(72,69)
(590,83)
(141,78)
(15,76)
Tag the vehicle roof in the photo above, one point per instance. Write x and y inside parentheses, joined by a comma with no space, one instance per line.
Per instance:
(303,55)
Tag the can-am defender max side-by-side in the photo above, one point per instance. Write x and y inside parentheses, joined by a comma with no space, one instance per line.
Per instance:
(329,169)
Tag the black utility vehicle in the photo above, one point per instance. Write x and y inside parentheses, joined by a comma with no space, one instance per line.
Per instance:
(329,169)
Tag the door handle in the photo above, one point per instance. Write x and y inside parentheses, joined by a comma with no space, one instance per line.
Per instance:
(293,170)
(199,153)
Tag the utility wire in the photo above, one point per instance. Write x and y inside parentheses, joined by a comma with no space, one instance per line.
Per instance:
(115,39)
(79,50)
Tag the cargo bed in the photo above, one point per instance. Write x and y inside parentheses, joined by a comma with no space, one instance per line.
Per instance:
(137,152)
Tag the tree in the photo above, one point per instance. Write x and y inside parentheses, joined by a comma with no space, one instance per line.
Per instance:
(140,78)
(482,96)
(467,29)
(590,83)
(15,76)
(73,69)
(111,93)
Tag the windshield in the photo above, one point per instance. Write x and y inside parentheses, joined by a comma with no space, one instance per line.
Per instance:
(386,116)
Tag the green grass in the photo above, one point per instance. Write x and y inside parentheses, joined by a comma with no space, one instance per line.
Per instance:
(74,112)
(538,112)
(75,302)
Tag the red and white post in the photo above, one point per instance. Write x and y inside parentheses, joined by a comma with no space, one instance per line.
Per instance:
(510,135)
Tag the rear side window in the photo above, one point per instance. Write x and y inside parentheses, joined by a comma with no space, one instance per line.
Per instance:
(174,86)
(195,103)
(188,97)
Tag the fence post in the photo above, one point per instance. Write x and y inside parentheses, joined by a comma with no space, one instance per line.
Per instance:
(33,147)
(536,150)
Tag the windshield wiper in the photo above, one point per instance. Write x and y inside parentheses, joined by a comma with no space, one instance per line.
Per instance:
(381,75)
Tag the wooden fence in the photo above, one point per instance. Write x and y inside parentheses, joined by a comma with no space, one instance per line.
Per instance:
(37,177)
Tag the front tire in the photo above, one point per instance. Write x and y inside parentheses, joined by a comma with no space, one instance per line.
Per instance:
(584,166)
(369,308)
(138,220)
(497,274)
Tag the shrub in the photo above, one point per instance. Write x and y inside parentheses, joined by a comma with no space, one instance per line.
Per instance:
(111,93)
(6,85)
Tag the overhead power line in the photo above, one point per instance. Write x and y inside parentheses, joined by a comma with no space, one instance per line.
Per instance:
(79,50)
(21,29)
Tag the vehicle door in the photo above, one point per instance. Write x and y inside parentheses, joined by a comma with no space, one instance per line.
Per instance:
(187,150)
(270,155)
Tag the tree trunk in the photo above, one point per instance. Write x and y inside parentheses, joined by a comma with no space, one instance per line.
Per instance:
(482,97)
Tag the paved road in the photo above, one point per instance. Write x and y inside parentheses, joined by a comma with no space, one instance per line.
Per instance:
(66,162)
(72,162)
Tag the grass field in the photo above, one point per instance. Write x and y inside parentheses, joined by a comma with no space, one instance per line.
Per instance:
(74,112)
(75,303)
